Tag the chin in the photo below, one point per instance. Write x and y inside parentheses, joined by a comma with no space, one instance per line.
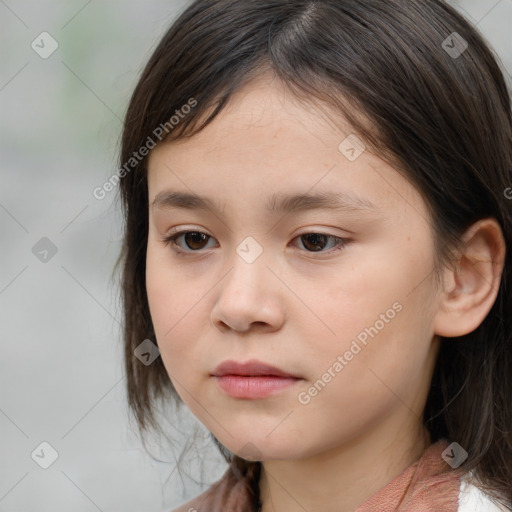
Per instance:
(260,450)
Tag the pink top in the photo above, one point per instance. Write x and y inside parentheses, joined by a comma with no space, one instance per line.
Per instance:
(426,485)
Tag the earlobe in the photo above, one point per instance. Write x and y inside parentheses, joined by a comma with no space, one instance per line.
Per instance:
(470,289)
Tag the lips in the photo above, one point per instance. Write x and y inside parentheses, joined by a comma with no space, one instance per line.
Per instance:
(251,368)
(252,380)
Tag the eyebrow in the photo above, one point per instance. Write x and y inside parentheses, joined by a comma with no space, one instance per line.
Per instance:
(276,204)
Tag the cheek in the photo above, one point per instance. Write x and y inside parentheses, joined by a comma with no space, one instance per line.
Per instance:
(165,298)
(386,374)
(178,311)
(157,289)
(167,290)
(378,325)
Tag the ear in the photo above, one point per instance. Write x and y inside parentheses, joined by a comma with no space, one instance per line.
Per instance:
(469,291)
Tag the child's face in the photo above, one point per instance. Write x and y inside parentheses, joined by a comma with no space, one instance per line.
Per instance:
(356,324)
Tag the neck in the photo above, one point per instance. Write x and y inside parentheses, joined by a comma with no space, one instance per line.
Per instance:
(343,478)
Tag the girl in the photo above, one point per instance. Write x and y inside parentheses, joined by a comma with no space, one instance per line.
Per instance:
(317,200)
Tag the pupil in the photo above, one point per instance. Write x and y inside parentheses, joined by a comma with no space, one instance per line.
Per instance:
(315,237)
(196,235)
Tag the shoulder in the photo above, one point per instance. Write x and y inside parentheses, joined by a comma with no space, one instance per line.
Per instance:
(474,499)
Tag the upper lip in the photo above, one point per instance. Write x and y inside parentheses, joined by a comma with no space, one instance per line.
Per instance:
(249,368)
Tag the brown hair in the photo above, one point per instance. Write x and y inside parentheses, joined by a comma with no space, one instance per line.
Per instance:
(442,120)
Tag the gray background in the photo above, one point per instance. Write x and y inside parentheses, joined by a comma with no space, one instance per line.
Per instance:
(61,379)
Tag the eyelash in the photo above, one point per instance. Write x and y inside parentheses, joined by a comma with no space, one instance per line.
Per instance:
(171,240)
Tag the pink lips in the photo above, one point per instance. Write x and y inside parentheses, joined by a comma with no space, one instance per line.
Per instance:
(252,379)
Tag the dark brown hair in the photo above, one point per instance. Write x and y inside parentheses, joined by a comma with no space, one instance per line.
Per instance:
(444,121)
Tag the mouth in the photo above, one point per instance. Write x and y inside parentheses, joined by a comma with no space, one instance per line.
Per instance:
(253,379)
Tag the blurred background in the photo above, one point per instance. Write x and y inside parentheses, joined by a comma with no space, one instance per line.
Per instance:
(66,74)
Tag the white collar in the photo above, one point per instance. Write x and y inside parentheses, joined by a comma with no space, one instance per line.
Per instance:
(473,499)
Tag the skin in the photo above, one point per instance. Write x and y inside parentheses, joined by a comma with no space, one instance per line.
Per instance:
(300,309)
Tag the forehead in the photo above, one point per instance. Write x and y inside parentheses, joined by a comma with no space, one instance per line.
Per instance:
(265,141)
(266,106)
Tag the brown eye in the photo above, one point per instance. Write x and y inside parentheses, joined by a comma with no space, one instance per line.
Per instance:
(316,242)
(194,240)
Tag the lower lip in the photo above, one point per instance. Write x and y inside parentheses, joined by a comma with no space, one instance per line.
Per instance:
(239,386)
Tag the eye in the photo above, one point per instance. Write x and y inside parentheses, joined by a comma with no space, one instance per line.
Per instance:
(195,241)
(319,240)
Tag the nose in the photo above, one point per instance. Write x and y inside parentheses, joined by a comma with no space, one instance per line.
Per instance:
(250,296)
